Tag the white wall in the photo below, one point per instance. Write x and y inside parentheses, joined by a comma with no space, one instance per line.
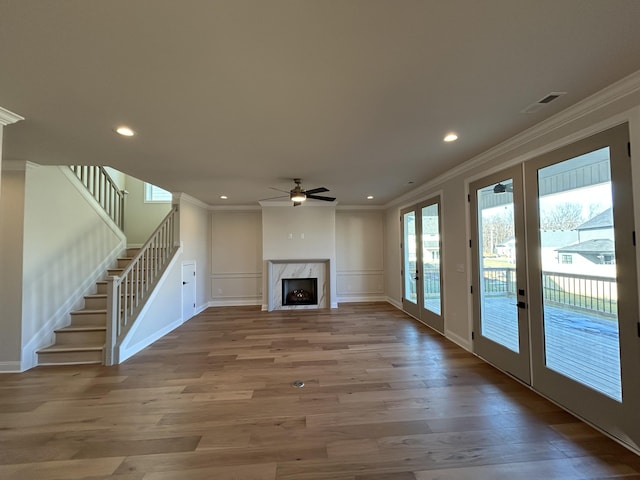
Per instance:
(360,255)
(236,257)
(194,236)
(588,117)
(161,314)
(140,218)
(81,242)
(11,253)
(163,310)
(300,233)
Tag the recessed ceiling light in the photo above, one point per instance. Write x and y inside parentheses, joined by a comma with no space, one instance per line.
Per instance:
(125,131)
(223,197)
(370,197)
(451,137)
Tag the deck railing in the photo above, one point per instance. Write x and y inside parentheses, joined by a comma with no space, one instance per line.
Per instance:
(588,292)
(128,292)
(99,184)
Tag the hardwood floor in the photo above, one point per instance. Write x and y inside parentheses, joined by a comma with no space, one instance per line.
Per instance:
(385,398)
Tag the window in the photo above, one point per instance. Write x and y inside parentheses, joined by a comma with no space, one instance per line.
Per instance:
(567,258)
(153,194)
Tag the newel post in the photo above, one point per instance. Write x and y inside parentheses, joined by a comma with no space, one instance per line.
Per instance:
(113,297)
(176,225)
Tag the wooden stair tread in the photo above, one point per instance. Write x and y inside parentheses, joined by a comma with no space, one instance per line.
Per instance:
(84,311)
(96,295)
(69,348)
(89,328)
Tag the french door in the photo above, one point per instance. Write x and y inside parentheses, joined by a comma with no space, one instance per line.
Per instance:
(501,326)
(555,289)
(421,262)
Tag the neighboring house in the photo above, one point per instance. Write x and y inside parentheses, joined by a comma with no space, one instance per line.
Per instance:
(594,244)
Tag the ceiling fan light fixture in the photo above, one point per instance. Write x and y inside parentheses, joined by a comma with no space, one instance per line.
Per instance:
(298,196)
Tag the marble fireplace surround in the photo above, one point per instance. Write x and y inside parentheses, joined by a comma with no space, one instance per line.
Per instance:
(306,268)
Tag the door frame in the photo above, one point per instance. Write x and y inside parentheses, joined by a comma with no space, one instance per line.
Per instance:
(418,310)
(601,410)
(518,363)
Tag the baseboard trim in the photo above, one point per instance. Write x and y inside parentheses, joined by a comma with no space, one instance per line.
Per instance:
(361,298)
(124,350)
(128,352)
(458,340)
(45,335)
(394,302)
(237,303)
(10,367)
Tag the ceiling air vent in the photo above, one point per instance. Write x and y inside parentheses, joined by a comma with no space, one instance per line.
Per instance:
(544,101)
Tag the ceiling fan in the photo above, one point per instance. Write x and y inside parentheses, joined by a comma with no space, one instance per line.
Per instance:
(298,194)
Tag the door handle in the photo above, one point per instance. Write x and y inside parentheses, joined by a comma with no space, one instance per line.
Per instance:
(184,283)
(416,278)
(521,305)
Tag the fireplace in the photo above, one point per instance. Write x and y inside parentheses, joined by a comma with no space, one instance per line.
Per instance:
(281,272)
(299,291)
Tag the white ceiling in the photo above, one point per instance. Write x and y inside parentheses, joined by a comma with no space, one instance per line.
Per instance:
(232,97)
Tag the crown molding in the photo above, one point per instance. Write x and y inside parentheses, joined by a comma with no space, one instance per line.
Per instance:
(7,117)
(627,86)
(371,208)
(235,208)
(183,197)
(18,165)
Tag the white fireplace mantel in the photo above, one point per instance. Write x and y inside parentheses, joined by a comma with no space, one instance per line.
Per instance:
(297,268)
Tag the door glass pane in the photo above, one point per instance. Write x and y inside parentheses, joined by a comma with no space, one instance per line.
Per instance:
(431,258)
(497,251)
(409,267)
(579,272)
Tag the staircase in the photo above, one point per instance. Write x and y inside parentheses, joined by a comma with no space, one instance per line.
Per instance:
(83,340)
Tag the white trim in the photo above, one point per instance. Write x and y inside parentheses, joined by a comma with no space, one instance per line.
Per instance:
(124,350)
(241,208)
(60,318)
(183,197)
(458,340)
(7,118)
(18,165)
(130,351)
(75,181)
(394,302)
(627,86)
(239,302)
(10,367)
(373,208)
(361,298)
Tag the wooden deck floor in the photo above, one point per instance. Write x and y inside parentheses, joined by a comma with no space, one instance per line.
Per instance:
(385,398)
(582,346)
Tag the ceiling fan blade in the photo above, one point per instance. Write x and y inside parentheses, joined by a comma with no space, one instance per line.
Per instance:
(317,190)
(279,190)
(297,204)
(318,197)
(273,198)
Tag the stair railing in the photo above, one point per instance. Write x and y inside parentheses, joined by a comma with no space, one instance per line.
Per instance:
(128,292)
(99,184)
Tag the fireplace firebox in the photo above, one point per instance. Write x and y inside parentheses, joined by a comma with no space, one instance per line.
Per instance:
(299,291)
